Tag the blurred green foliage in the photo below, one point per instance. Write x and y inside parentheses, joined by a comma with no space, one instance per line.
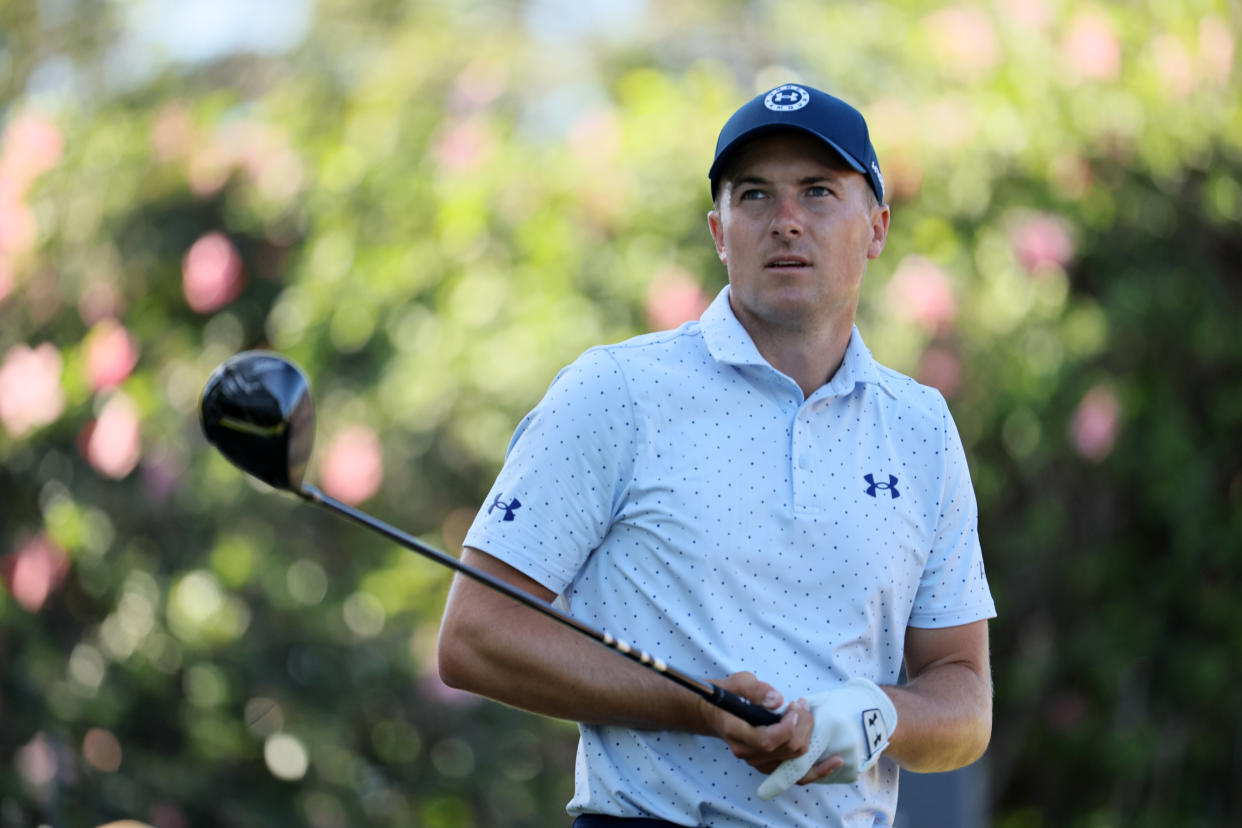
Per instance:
(434,206)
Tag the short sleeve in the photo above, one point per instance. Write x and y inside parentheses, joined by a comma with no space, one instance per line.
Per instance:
(954,588)
(565,474)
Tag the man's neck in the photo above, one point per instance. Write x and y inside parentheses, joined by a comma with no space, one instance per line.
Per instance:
(810,355)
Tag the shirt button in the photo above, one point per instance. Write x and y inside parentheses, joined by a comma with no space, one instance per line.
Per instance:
(804,462)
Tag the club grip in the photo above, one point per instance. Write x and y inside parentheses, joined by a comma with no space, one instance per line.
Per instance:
(747,711)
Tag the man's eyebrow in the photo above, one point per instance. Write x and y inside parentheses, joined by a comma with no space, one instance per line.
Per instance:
(830,176)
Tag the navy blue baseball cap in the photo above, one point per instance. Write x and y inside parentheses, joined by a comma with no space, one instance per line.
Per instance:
(803,108)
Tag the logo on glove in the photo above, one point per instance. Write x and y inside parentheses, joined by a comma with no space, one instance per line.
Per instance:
(873,726)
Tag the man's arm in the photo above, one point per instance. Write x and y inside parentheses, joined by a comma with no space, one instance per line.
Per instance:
(944,712)
(492,646)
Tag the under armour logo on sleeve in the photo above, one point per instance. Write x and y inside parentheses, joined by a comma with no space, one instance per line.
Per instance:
(509,507)
(890,486)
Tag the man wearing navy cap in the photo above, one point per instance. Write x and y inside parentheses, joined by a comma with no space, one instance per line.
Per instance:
(755,499)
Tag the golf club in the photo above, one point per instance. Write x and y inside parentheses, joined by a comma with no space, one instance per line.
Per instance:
(256,410)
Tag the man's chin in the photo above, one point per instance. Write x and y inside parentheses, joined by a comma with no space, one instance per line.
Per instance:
(793,311)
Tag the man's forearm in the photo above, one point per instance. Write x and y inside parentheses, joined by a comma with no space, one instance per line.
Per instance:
(528,661)
(944,718)
(495,647)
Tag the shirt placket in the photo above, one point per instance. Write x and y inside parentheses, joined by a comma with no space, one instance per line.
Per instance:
(803,460)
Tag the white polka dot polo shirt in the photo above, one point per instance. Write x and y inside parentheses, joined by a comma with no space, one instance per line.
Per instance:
(680,493)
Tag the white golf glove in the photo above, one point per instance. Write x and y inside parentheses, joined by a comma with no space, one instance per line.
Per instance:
(853,721)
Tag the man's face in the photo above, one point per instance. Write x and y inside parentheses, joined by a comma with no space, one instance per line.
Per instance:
(795,227)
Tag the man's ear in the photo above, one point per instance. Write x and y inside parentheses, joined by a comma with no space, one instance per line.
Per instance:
(716,225)
(879,230)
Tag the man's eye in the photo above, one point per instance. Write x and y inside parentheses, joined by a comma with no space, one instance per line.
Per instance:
(751,195)
(819,192)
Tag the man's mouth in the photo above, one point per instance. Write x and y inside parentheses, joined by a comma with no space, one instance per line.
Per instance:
(787,262)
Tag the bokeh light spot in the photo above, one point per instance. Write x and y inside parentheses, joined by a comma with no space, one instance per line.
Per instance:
(101,750)
(30,390)
(453,757)
(285,756)
(111,354)
(1095,424)
(113,447)
(674,297)
(34,570)
(211,273)
(919,291)
(307,582)
(364,614)
(354,468)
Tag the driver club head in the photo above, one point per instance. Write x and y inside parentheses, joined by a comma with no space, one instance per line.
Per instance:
(256,410)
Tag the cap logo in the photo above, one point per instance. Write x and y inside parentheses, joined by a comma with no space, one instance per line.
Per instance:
(875,168)
(787,98)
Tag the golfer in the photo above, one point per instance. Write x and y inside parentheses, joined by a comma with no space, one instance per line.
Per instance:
(755,499)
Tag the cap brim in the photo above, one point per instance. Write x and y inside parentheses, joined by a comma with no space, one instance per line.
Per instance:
(746,137)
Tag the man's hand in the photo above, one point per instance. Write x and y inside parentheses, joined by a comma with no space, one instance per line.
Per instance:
(763,748)
(852,726)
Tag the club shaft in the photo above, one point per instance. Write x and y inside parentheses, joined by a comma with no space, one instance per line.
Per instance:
(738,706)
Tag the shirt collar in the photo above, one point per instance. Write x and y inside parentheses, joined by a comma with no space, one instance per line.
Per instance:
(729,343)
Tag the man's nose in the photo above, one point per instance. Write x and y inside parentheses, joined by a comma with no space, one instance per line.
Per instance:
(788,219)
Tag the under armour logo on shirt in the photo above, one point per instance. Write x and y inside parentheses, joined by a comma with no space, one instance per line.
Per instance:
(890,486)
(509,507)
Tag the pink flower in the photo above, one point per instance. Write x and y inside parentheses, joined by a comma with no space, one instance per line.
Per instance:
(940,368)
(674,297)
(101,750)
(1032,15)
(211,273)
(1216,44)
(112,444)
(111,353)
(920,292)
(964,40)
(36,761)
(1042,241)
(1173,65)
(32,146)
(1091,49)
(462,147)
(34,570)
(903,176)
(1096,421)
(30,390)
(354,468)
